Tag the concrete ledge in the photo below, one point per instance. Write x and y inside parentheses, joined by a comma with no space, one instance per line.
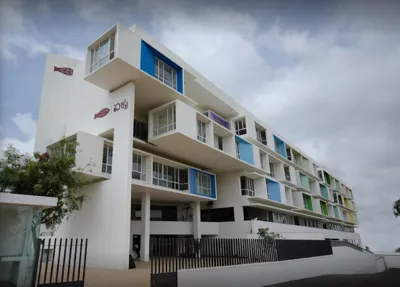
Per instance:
(27,200)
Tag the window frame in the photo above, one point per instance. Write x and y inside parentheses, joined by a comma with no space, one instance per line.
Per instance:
(95,62)
(240,126)
(160,67)
(271,170)
(259,135)
(218,142)
(286,171)
(141,171)
(163,173)
(202,178)
(248,188)
(237,148)
(170,123)
(201,131)
(106,166)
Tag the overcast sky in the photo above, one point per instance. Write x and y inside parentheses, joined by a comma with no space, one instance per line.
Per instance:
(325,74)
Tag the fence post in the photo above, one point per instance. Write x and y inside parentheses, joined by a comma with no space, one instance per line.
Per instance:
(37,246)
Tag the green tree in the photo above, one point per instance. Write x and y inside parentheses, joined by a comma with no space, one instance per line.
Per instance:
(396,208)
(53,175)
(268,236)
(397,250)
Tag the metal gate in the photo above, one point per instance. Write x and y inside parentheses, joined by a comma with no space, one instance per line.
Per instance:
(61,262)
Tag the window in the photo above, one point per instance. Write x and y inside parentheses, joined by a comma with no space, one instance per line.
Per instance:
(307,202)
(170,177)
(102,53)
(140,130)
(261,135)
(240,126)
(320,175)
(164,120)
(283,218)
(165,73)
(237,149)
(287,172)
(261,160)
(59,149)
(107,159)
(278,148)
(138,167)
(340,200)
(247,186)
(201,131)
(271,169)
(203,184)
(218,142)
(288,153)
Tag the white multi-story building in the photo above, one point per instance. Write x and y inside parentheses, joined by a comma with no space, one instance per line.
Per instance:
(171,155)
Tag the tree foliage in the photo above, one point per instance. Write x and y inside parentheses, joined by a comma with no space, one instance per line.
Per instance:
(396,208)
(268,236)
(53,175)
(397,250)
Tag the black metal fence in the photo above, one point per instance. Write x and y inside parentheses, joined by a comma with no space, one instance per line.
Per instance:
(172,254)
(296,249)
(61,262)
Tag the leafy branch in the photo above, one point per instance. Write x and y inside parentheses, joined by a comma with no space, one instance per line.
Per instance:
(51,174)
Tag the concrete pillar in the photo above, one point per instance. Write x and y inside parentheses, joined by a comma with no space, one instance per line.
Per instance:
(238,212)
(196,219)
(145,228)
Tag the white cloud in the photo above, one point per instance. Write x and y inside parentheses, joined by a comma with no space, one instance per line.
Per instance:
(18,33)
(337,100)
(27,126)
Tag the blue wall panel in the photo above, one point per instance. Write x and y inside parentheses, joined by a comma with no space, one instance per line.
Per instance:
(282,145)
(274,190)
(245,150)
(192,183)
(146,59)
(147,63)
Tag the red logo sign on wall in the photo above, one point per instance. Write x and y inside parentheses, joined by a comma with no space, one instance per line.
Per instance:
(102,113)
(118,106)
(65,71)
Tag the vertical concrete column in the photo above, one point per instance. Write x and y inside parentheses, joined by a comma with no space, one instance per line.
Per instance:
(196,219)
(238,212)
(145,228)
(115,194)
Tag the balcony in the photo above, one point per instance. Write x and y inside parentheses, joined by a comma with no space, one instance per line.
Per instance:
(218,119)
(93,156)
(304,184)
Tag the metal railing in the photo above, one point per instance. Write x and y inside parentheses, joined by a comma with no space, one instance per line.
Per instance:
(172,254)
(60,262)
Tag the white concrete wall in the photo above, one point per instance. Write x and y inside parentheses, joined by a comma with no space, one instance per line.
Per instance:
(56,90)
(229,144)
(174,228)
(260,188)
(105,216)
(186,120)
(392,260)
(128,46)
(343,261)
(90,153)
